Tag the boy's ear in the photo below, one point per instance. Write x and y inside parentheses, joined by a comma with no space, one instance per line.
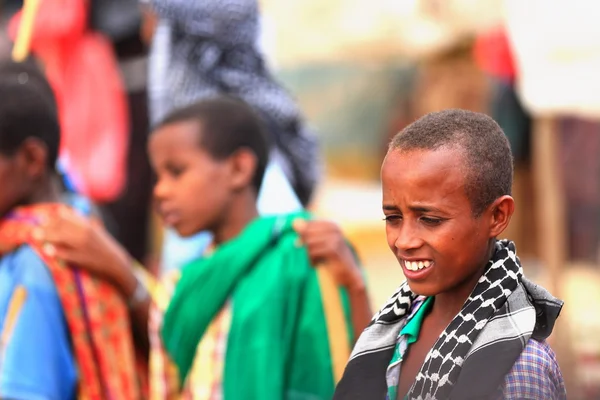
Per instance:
(243,168)
(34,156)
(501,212)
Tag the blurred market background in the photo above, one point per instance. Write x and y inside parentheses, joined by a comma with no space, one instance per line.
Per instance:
(362,70)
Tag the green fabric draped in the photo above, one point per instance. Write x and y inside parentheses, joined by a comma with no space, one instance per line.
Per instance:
(278,347)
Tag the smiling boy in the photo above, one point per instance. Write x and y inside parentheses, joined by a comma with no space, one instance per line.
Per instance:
(466,324)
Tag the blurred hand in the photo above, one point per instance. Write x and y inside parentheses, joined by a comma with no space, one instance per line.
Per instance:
(327,247)
(148,25)
(83,243)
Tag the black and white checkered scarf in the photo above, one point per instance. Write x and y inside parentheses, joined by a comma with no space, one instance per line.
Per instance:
(476,350)
(209,47)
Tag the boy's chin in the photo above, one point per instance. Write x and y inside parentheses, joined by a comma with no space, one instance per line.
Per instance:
(423,289)
(186,234)
(185,231)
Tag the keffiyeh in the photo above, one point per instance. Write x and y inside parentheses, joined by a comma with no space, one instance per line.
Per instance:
(502,313)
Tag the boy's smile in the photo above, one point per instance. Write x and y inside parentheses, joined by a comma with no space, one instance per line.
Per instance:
(416,269)
(430,226)
(26,177)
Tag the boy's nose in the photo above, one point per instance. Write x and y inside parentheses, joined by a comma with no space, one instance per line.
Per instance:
(407,239)
(161,190)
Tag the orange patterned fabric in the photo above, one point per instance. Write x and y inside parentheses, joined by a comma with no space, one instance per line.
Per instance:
(96,314)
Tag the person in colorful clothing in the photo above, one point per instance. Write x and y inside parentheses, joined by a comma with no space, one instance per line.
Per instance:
(466,324)
(252,318)
(56,342)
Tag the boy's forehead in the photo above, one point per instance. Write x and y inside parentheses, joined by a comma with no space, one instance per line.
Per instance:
(433,174)
(178,134)
(426,162)
(189,126)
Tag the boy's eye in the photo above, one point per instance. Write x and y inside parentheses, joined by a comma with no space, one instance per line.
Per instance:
(392,218)
(175,170)
(431,221)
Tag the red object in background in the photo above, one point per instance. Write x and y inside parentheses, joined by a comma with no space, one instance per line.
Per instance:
(493,54)
(81,67)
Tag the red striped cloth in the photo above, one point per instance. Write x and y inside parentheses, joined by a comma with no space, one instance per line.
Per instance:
(96,314)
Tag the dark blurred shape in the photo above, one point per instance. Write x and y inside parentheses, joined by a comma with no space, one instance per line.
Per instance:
(121,21)
(117,19)
(580,163)
(507,110)
(492,53)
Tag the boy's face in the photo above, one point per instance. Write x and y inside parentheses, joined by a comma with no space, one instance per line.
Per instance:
(430,226)
(19,175)
(192,191)
(12,191)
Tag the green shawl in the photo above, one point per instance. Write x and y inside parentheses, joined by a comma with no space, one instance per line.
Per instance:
(278,347)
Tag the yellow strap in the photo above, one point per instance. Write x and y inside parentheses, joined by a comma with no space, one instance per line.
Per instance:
(154,286)
(23,40)
(337,330)
(15,306)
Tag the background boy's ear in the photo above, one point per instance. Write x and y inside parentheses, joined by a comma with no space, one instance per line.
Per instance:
(243,167)
(501,212)
(33,154)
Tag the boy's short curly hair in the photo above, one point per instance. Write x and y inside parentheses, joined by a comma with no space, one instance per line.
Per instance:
(228,125)
(488,161)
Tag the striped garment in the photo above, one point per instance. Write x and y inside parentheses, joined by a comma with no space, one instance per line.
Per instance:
(535,374)
(206,377)
(95,314)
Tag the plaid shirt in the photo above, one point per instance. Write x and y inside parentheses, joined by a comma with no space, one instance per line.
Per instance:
(535,374)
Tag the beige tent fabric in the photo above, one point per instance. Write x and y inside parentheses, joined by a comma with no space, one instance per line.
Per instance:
(370,30)
(557,52)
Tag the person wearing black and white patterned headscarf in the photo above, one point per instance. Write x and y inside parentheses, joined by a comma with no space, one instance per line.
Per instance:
(203,48)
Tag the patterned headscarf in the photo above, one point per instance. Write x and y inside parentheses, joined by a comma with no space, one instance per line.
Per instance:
(201,49)
(457,366)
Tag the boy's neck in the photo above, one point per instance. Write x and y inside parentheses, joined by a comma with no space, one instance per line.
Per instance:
(48,190)
(241,212)
(447,305)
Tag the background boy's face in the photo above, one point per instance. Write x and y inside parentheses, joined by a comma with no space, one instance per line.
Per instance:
(192,191)
(430,227)
(15,179)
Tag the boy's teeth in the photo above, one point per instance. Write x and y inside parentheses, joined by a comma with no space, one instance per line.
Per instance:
(416,265)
